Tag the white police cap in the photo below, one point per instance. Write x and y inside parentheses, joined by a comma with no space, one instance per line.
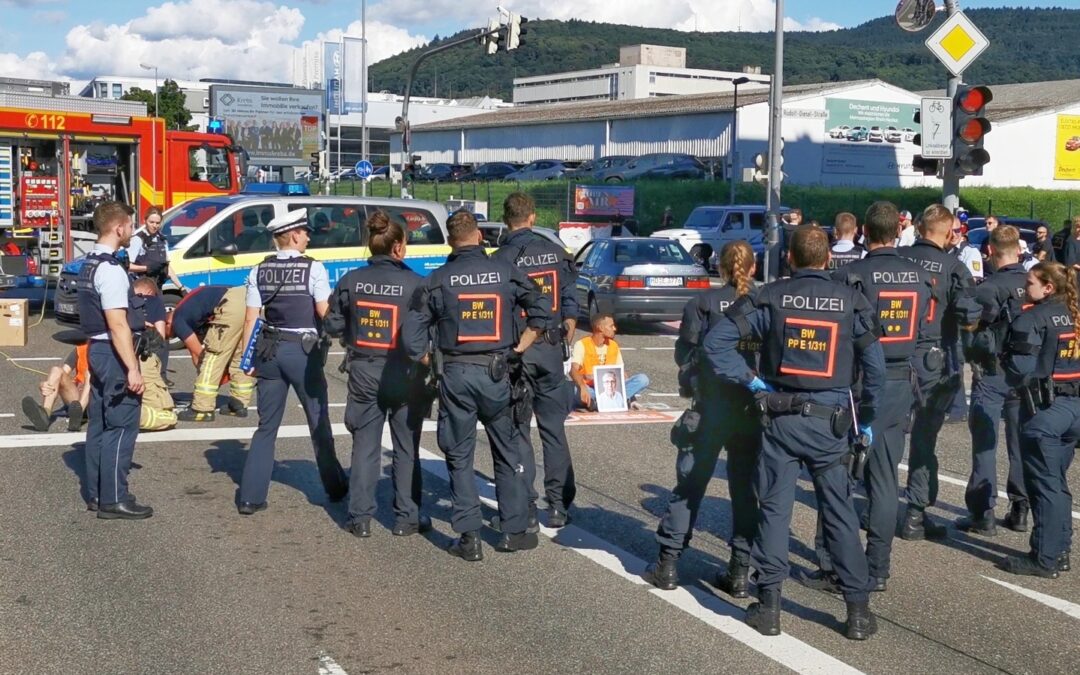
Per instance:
(290,221)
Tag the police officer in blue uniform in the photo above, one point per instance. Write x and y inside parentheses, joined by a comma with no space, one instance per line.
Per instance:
(111,315)
(1002,297)
(1043,363)
(953,309)
(470,302)
(814,331)
(899,291)
(554,275)
(368,307)
(294,292)
(722,415)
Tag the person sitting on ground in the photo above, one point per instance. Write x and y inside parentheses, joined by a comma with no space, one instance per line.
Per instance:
(600,349)
(70,381)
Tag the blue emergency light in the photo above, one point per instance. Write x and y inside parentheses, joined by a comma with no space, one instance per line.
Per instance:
(283,189)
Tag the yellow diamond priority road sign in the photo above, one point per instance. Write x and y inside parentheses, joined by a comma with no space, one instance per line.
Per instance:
(957,43)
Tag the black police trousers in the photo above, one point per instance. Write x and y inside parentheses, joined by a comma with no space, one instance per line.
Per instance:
(289,368)
(937,391)
(113,428)
(380,389)
(990,397)
(552,400)
(467,394)
(728,421)
(1048,445)
(789,443)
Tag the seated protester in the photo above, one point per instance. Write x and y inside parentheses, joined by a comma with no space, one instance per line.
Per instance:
(600,349)
(157,411)
(71,382)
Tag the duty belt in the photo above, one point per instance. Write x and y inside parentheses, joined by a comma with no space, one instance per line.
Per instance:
(288,336)
(816,410)
(1067,388)
(473,359)
(899,370)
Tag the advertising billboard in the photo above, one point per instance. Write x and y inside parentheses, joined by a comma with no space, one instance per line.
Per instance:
(333,73)
(603,200)
(267,121)
(869,137)
(354,82)
(1067,148)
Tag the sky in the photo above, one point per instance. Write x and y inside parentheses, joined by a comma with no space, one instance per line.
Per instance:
(256,39)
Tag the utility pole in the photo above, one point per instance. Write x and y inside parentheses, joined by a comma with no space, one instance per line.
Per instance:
(363,96)
(776,108)
(950,182)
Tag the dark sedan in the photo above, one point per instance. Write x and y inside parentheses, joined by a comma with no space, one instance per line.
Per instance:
(491,171)
(440,172)
(654,166)
(637,278)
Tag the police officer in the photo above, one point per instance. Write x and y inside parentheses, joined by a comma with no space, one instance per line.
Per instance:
(368,307)
(148,251)
(723,415)
(111,315)
(210,323)
(1043,363)
(293,291)
(899,291)
(952,309)
(845,251)
(1001,298)
(554,275)
(471,301)
(813,331)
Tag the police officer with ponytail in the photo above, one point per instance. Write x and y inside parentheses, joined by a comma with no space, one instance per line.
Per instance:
(554,275)
(368,308)
(722,415)
(471,302)
(814,331)
(293,291)
(1043,363)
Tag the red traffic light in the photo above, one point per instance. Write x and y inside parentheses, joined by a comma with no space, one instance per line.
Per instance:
(974,99)
(973,130)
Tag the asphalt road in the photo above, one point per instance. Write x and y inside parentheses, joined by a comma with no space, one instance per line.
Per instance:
(198,588)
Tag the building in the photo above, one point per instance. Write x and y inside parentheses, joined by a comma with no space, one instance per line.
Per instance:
(643,71)
(21,86)
(196,93)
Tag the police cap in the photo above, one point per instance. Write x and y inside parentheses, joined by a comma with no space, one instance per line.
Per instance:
(288,222)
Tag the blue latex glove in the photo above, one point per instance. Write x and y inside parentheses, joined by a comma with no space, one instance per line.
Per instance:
(865,429)
(757,384)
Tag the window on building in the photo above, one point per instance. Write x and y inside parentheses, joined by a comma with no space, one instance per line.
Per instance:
(117,90)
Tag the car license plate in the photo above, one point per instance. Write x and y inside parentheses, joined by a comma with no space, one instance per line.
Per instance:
(65,308)
(666,281)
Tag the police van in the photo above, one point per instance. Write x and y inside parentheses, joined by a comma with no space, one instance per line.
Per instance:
(217,240)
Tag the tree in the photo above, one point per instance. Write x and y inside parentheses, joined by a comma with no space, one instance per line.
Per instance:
(172,101)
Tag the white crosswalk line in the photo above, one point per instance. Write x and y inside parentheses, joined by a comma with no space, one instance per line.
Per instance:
(1069,608)
(328,666)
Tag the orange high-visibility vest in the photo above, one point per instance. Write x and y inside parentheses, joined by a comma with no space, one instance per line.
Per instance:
(592,357)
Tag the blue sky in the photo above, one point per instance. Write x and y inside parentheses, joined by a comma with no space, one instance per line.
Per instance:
(256,38)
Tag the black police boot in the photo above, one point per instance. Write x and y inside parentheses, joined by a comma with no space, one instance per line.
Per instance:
(467,547)
(984,525)
(557,518)
(192,415)
(764,615)
(92,504)
(39,417)
(1017,518)
(878,584)
(522,541)
(664,573)
(233,408)
(1063,563)
(250,508)
(917,526)
(405,529)
(861,623)
(821,580)
(735,581)
(532,525)
(75,416)
(1027,566)
(129,510)
(361,527)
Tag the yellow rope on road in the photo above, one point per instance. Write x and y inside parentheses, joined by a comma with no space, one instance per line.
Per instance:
(12,362)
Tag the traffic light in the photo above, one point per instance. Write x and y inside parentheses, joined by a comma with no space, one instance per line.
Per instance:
(761,168)
(518,29)
(490,39)
(970,128)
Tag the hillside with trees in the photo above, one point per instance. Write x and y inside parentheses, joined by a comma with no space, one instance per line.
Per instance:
(1026,45)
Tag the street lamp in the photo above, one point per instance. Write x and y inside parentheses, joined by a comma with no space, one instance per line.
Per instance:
(153,134)
(735,137)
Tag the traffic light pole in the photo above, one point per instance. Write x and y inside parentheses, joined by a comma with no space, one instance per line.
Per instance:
(950,181)
(776,105)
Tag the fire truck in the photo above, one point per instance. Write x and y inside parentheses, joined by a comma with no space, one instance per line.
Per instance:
(61,156)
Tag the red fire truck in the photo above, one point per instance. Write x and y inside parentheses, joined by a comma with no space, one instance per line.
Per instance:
(60,156)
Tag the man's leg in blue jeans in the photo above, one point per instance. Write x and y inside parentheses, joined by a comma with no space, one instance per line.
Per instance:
(635,384)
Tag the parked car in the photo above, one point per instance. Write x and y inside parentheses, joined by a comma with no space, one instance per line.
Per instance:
(858,134)
(909,134)
(543,169)
(638,278)
(440,172)
(840,131)
(656,165)
(893,135)
(385,173)
(491,171)
(977,233)
(875,135)
(589,168)
(494,232)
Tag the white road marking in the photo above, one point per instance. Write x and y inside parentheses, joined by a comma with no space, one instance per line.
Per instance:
(7,414)
(660,393)
(712,610)
(328,666)
(658,349)
(956,481)
(37,358)
(1069,608)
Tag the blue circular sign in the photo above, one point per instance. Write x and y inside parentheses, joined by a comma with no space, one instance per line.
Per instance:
(364,169)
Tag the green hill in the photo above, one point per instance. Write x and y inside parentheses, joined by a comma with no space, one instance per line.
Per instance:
(1026,45)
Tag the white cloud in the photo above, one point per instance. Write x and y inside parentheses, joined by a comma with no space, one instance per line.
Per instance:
(686,15)
(33,66)
(384,40)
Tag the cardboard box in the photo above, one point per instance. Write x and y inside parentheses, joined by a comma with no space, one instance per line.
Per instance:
(14,317)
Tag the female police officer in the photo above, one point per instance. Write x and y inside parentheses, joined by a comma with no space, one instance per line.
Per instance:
(368,307)
(293,290)
(722,420)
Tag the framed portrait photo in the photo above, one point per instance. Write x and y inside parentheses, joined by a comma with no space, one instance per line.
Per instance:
(610,389)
